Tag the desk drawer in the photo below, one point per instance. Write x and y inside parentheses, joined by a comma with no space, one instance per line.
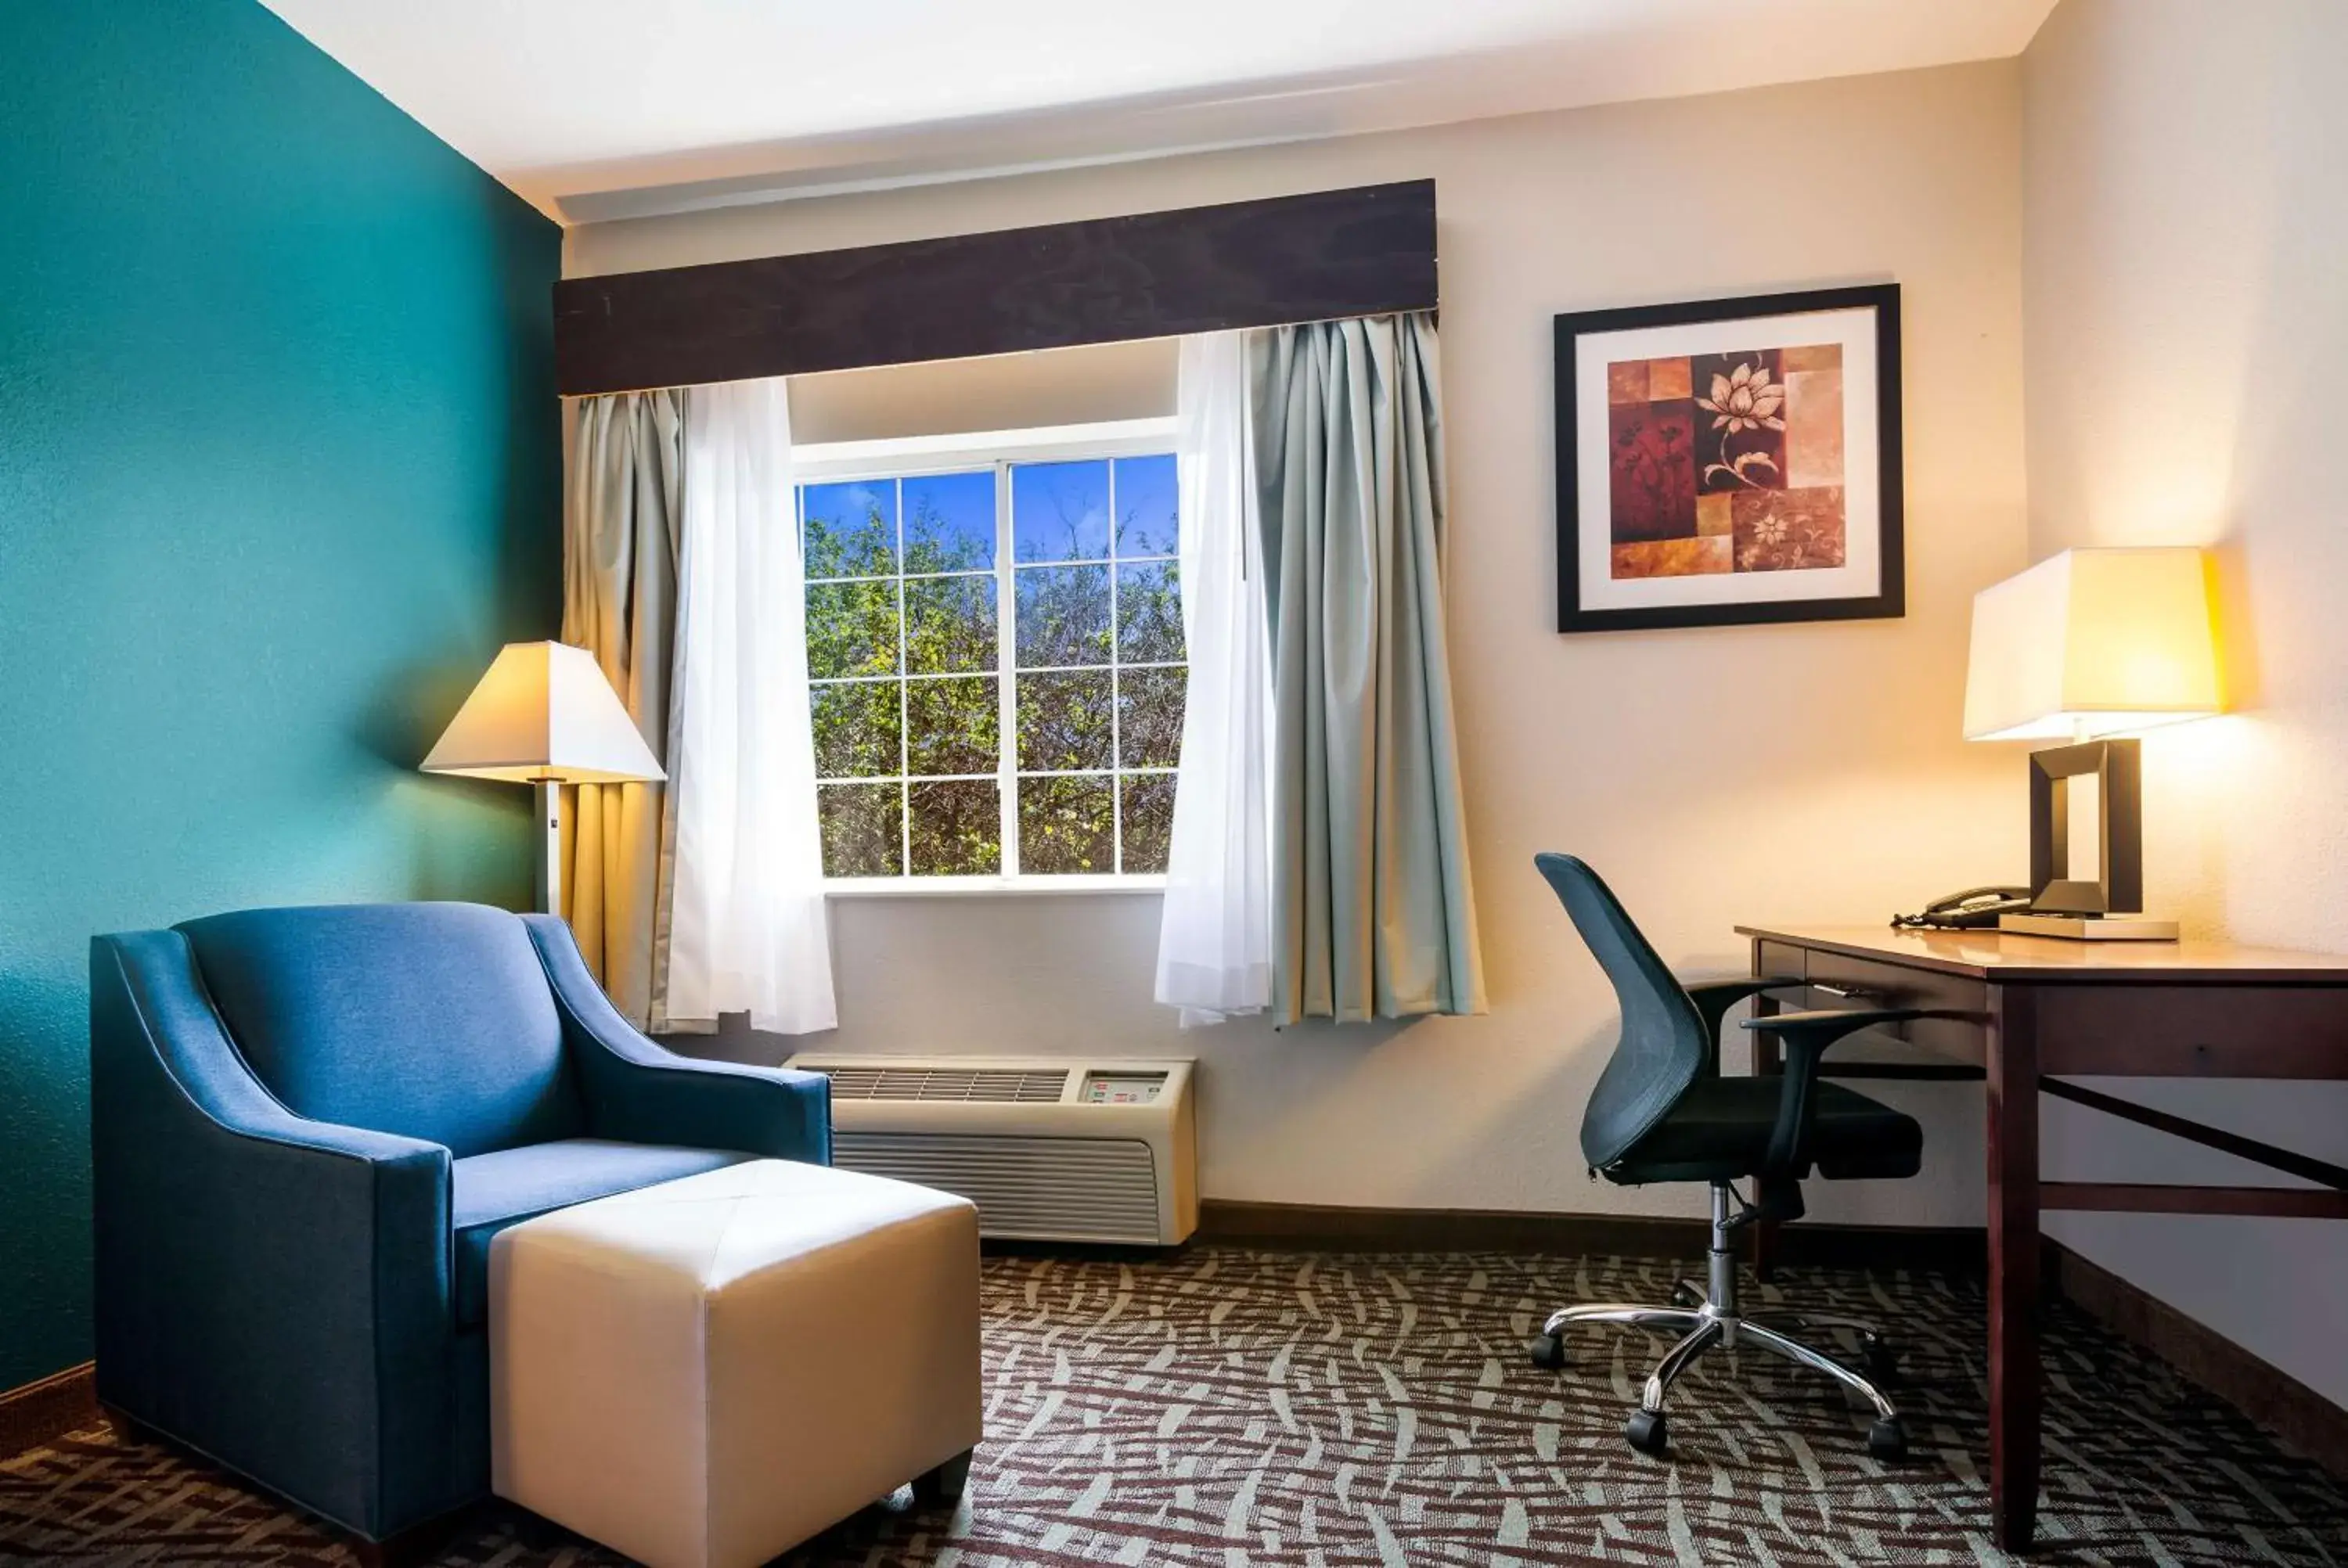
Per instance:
(1956,1035)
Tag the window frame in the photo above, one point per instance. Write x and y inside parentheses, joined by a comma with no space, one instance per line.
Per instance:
(910,458)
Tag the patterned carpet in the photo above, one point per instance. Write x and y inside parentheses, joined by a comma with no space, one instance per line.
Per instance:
(1234,1407)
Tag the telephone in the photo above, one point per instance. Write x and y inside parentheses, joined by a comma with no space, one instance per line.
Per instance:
(1975,909)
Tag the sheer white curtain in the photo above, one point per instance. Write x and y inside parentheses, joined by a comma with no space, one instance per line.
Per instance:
(1215,944)
(749,932)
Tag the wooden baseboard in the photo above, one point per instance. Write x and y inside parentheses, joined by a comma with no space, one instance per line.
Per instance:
(38,1412)
(2264,1392)
(1317,1229)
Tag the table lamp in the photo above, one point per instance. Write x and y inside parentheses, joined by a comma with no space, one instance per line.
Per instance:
(2081,646)
(544,715)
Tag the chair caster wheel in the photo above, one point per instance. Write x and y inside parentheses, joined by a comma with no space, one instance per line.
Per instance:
(1646,1432)
(1887,1439)
(1880,1360)
(1547,1351)
(1682,1296)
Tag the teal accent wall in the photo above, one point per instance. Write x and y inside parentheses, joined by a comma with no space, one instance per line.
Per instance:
(278,470)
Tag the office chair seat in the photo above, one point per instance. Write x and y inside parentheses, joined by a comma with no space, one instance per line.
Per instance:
(1719,1132)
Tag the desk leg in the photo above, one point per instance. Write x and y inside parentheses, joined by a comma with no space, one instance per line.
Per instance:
(2015,1376)
(1768,1061)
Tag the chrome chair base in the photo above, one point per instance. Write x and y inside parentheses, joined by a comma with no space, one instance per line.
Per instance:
(1706,1318)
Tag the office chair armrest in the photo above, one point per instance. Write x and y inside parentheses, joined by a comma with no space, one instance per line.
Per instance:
(1713,999)
(1806,1037)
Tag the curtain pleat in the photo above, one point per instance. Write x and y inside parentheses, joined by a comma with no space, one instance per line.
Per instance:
(1373,908)
(622,514)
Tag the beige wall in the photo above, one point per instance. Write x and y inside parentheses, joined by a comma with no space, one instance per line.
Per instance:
(1003,391)
(2186,214)
(1805,772)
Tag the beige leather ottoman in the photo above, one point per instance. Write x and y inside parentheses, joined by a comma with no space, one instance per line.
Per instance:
(704,1373)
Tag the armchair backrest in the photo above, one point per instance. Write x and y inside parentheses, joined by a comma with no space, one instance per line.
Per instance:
(432,1020)
(1663,1047)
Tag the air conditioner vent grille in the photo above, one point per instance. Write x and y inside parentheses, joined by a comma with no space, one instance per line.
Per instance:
(1084,1189)
(979,1086)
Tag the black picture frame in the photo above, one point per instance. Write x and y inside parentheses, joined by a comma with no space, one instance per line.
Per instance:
(2119,888)
(1891,599)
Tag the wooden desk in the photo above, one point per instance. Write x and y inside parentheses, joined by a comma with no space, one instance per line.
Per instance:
(2023,1012)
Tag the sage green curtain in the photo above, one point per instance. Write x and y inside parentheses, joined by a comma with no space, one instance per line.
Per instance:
(623,524)
(1373,910)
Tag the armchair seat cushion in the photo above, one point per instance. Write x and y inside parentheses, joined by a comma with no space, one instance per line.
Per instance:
(505,1187)
(1720,1128)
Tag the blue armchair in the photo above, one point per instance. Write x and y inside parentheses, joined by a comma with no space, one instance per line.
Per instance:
(306,1124)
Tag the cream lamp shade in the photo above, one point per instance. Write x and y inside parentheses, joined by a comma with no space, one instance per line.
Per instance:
(2091,643)
(543,713)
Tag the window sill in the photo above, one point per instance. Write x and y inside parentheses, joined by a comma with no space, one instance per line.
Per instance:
(986,887)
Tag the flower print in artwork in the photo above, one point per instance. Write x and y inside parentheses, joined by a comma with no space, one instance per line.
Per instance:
(1743,445)
(1788,531)
(1726,462)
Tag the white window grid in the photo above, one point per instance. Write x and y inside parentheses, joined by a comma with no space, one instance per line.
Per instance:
(915,464)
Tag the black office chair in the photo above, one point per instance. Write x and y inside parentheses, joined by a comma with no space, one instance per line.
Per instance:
(1663,1112)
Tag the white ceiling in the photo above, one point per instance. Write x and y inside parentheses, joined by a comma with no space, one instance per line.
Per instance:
(603,108)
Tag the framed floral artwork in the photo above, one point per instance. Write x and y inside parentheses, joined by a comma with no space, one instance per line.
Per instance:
(1730,462)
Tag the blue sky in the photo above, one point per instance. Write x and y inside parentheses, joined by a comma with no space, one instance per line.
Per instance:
(1059,511)
(963,505)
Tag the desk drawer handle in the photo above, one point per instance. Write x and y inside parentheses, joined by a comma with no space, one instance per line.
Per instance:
(1848,993)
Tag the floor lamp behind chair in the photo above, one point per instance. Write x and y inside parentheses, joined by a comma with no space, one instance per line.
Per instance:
(543,715)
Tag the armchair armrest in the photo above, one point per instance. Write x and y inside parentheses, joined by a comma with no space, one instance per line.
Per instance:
(643,1092)
(271,1289)
(1806,1037)
(1713,999)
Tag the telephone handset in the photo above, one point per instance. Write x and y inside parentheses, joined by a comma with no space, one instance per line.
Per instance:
(1974,908)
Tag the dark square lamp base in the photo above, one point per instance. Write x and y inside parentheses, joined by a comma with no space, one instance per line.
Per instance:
(2100,910)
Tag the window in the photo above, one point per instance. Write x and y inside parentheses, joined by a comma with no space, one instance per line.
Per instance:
(994,648)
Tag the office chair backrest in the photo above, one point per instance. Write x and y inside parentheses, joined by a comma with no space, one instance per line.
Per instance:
(1663,1047)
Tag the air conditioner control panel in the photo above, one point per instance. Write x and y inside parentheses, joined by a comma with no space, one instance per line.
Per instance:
(1121,1088)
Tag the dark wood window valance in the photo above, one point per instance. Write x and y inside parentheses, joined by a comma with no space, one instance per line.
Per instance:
(1365,251)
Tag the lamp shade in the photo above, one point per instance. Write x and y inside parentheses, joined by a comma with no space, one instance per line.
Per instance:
(543,712)
(2090,643)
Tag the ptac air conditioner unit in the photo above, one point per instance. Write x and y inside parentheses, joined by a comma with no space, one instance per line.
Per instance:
(1050,1149)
